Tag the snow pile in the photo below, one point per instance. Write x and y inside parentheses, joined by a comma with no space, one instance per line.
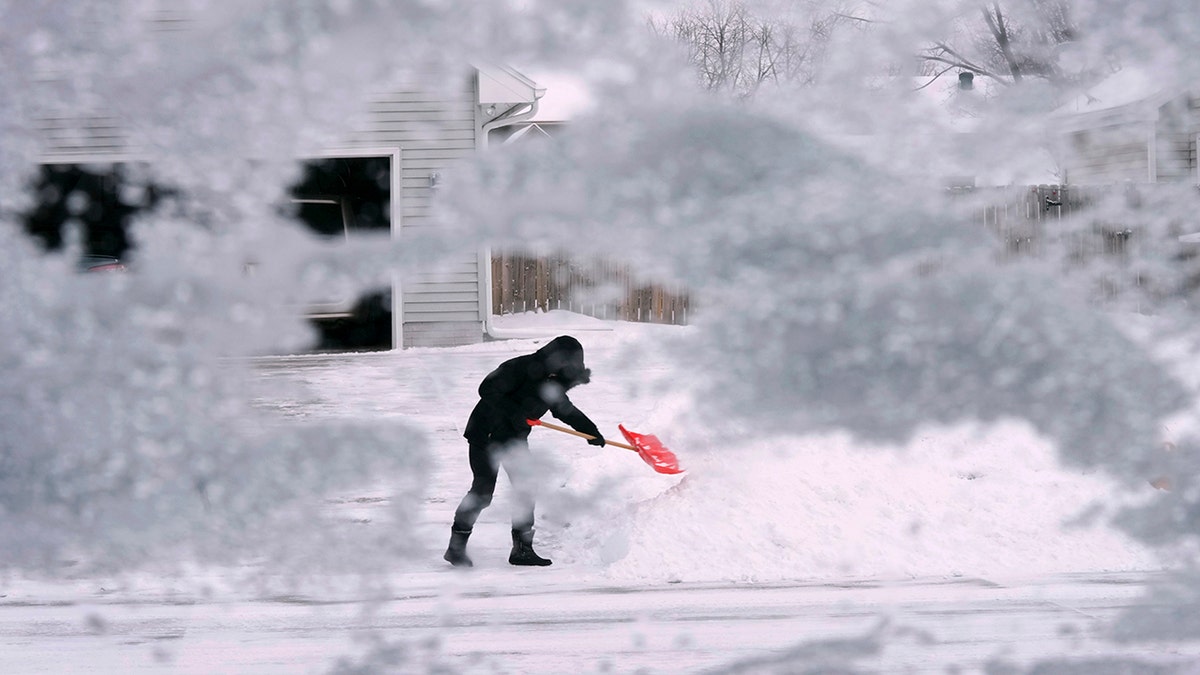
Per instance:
(953,503)
(972,500)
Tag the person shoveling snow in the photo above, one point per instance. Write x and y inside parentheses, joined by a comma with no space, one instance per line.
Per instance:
(520,389)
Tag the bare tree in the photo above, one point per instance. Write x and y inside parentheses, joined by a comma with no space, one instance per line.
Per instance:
(737,51)
(737,47)
(1008,42)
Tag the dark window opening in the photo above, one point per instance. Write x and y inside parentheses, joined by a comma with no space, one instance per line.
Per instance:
(337,197)
(341,195)
(102,199)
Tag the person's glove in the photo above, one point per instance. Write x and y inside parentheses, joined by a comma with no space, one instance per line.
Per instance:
(596,440)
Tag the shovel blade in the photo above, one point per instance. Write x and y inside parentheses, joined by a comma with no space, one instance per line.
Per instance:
(652,451)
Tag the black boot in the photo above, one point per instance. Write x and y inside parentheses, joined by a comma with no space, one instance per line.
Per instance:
(522,550)
(456,552)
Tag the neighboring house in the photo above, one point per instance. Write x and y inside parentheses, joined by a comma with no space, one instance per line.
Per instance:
(943,131)
(1129,128)
(404,142)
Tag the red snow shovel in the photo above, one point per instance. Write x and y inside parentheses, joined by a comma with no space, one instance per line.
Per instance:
(647,446)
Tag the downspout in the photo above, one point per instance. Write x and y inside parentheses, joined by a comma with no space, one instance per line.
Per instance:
(504,119)
(1152,152)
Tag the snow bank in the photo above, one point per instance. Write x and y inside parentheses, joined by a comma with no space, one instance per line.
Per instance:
(954,502)
(967,500)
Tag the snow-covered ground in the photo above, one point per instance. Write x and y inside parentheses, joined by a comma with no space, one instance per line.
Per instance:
(750,507)
(557,621)
(171,500)
(966,546)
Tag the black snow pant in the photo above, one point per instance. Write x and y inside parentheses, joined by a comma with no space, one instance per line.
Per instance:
(486,458)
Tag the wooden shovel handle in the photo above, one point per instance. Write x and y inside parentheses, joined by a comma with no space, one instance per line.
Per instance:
(569,430)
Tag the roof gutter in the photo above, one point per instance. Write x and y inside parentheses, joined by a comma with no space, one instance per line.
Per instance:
(513,115)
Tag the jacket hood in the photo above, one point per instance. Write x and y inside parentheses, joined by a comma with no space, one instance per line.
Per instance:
(563,358)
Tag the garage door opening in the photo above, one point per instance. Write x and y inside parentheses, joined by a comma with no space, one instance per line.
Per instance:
(342,197)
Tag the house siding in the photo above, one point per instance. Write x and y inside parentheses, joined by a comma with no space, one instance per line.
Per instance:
(1160,146)
(1111,154)
(1175,144)
(1193,106)
(67,139)
(435,129)
(1173,157)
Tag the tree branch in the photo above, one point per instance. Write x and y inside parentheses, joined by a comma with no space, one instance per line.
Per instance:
(851,17)
(960,61)
(1000,34)
(935,77)
(966,66)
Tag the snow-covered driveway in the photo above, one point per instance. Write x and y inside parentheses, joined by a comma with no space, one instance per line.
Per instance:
(769,555)
(523,621)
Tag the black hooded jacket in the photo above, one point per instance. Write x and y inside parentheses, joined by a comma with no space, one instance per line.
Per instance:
(525,388)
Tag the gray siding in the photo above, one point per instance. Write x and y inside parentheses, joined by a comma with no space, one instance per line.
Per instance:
(1174,142)
(435,129)
(1111,154)
(1193,108)
(441,334)
(1111,150)
(66,138)
(442,306)
(1172,150)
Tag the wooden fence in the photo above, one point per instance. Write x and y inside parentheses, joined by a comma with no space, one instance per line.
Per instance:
(604,290)
(1028,219)
(1130,230)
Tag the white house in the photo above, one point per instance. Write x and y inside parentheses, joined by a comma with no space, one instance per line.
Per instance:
(450,306)
(1132,127)
(413,136)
